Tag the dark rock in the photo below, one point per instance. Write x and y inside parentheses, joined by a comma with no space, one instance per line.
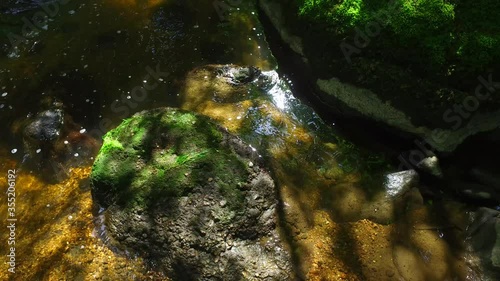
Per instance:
(46,126)
(44,130)
(54,143)
(486,178)
(240,75)
(476,191)
(483,236)
(372,89)
(164,207)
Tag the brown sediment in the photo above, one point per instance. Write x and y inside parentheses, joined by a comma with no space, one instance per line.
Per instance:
(54,233)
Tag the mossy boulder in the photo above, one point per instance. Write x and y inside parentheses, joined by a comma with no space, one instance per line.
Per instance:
(407,65)
(184,193)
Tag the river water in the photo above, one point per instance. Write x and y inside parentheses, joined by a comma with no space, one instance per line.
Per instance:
(105,60)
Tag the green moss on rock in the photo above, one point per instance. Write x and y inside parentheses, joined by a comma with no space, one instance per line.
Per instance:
(437,35)
(161,154)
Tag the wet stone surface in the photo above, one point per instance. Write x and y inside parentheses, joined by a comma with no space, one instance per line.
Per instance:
(200,210)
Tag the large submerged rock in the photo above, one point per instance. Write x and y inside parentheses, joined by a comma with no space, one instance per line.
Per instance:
(190,197)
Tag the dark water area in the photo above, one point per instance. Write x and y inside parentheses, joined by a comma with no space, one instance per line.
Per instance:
(89,55)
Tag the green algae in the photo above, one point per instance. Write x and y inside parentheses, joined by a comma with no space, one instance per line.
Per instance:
(158,155)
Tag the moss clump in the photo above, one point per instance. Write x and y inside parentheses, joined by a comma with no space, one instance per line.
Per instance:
(165,153)
(441,36)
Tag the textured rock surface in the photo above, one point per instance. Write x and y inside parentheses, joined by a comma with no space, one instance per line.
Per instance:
(53,142)
(368,104)
(431,165)
(348,87)
(190,197)
(484,239)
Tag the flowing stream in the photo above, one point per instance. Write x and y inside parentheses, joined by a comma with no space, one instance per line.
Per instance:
(105,60)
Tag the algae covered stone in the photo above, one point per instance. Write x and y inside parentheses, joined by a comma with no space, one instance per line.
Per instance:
(163,153)
(180,191)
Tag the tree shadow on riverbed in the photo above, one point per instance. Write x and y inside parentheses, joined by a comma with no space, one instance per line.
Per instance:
(336,231)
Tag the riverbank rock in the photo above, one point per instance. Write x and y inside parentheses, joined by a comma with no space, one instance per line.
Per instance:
(193,199)
(483,236)
(357,84)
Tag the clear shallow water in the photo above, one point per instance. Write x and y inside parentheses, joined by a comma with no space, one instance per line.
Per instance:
(93,56)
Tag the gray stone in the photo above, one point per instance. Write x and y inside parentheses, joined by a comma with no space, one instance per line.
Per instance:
(46,126)
(207,229)
(368,104)
(483,237)
(399,183)
(240,75)
(431,165)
